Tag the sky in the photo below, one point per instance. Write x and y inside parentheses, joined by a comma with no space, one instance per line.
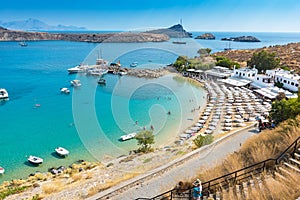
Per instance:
(196,15)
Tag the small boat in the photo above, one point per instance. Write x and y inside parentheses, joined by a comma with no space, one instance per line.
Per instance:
(178,42)
(134,64)
(101,81)
(61,151)
(23,44)
(35,160)
(65,90)
(2,170)
(76,69)
(76,83)
(122,73)
(128,136)
(3,94)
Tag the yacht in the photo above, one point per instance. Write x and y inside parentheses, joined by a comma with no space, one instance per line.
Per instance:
(3,94)
(76,69)
(128,136)
(134,64)
(23,44)
(76,83)
(35,160)
(101,81)
(61,151)
(97,72)
(65,90)
(2,170)
(122,73)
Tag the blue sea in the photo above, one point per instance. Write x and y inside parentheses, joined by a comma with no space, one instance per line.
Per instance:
(90,120)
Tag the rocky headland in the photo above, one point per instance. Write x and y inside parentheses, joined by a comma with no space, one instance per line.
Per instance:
(206,36)
(289,54)
(175,31)
(11,35)
(242,39)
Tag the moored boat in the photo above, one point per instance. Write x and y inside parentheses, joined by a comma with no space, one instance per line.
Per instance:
(134,64)
(76,69)
(35,160)
(65,90)
(128,136)
(23,44)
(76,83)
(61,151)
(101,81)
(2,170)
(3,94)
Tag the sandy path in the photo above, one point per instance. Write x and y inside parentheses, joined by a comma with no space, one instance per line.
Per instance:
(185,171)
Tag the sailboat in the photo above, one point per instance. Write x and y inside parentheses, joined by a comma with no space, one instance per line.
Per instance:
(178,41)
(229,46)
(23,43)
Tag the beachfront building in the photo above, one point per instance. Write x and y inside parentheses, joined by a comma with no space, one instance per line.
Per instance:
(218,72)
(290,81)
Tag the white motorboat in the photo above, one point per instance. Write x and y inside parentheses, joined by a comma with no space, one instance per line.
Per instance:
(35,160)
(122,73)
(3,94)
(128,136)
(2,170)
(76,83)
(134,64)
(61,151)
(97,72)
(77,69)
(65,90)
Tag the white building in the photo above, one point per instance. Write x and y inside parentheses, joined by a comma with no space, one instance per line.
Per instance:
(257,80)
(289,81)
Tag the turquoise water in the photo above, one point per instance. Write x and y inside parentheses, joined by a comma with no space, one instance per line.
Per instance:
(90,120)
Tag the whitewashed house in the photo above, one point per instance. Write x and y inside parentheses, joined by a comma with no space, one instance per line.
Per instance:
(289,81)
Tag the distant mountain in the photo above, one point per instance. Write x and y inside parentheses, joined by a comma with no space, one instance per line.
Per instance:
(175,31)
(36,25)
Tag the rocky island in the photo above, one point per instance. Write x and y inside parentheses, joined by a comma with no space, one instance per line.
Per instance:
(175,31)
(12,35)
(206,36)
(242,39)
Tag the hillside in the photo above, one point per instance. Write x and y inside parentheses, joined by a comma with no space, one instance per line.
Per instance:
(10,35)
(175,31)
(289,54)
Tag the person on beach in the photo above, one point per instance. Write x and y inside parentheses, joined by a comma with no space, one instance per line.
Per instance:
(197,190)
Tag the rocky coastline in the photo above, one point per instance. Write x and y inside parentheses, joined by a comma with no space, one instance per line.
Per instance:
(11,35)
(206,36)
(242,39)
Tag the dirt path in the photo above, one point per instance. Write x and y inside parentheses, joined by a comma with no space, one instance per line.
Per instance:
(161,182)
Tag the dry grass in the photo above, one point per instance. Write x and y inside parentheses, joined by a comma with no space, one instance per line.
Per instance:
(267,144)
(77,177)
(49,188)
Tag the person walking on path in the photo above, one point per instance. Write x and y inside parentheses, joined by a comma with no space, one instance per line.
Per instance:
(197,190)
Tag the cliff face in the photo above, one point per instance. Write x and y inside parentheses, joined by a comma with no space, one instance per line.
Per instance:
(9,35)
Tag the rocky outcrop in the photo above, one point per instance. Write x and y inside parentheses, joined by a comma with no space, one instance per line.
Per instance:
(289,54)
(175,31)
(242,39)
(9,35)
(206,36)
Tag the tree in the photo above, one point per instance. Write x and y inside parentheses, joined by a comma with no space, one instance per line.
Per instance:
(226,62)
(280,96)
(203,140)
(264,61)
(181,63)
(145,139)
